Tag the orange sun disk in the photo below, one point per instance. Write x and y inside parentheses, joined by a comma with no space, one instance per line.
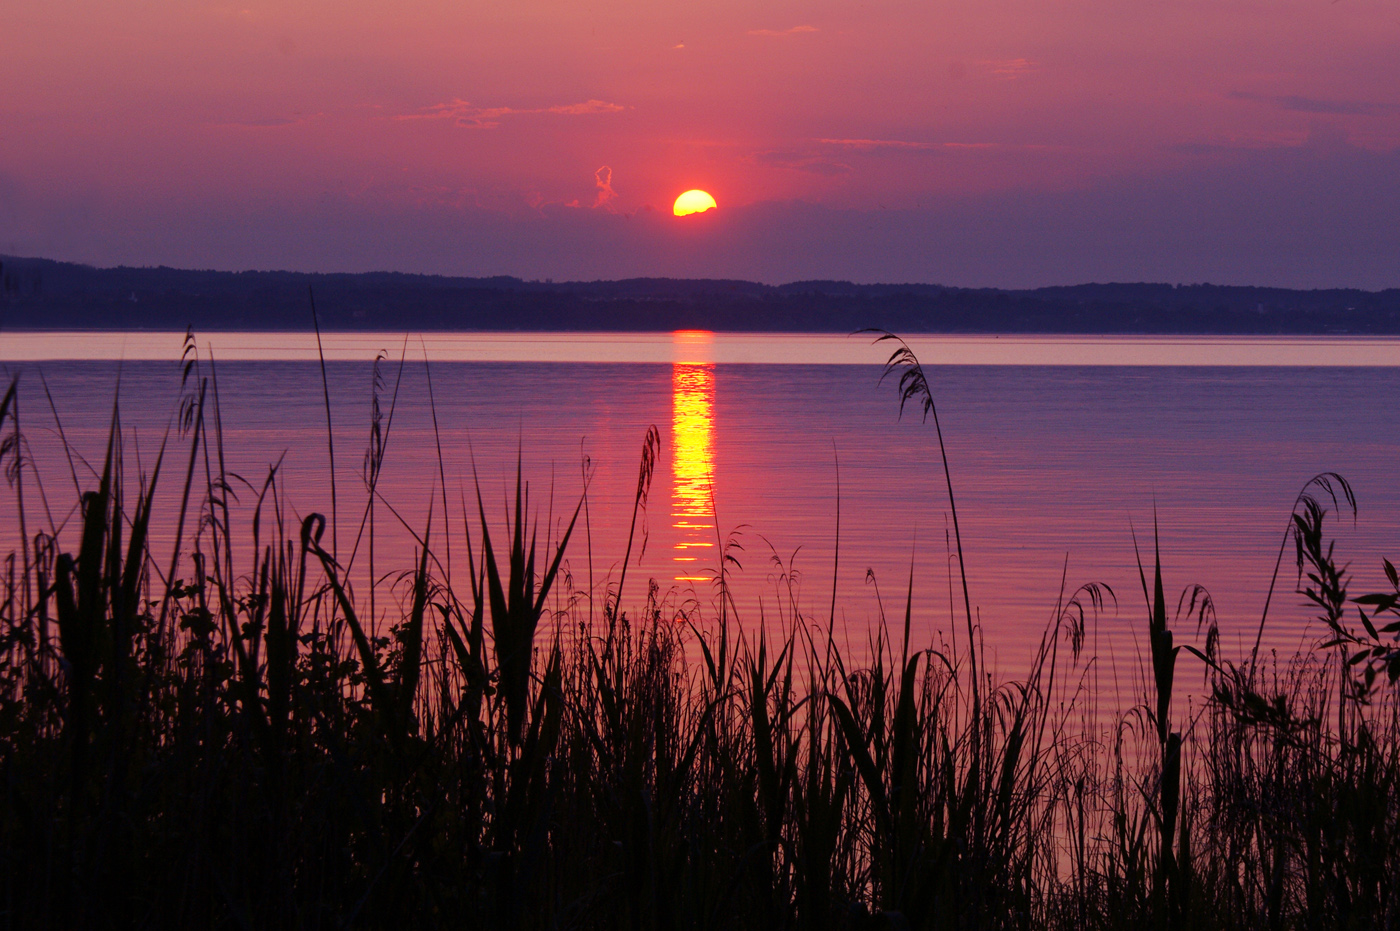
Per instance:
(693,202)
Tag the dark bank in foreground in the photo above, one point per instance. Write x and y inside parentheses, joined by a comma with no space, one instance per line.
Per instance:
(46,295)
(231,733)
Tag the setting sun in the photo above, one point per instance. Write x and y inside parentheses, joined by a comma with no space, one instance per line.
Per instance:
(694,202)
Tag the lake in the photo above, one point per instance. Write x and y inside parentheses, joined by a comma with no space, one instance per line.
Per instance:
(1061,449)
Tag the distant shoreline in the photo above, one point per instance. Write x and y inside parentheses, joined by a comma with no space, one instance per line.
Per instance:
(44,295)
(702,347)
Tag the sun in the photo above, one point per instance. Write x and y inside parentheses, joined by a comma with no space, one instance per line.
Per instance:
(694,202)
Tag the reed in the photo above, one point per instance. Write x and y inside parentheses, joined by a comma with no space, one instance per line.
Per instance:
(230,736)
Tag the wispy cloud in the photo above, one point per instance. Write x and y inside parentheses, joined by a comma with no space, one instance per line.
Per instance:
(1241,144)
(809,162)
(869,145)
(470,116)
(606,195)
(829,156)
(1008,68)
(897,147)
(1298,104)
(794,31)
(269,122)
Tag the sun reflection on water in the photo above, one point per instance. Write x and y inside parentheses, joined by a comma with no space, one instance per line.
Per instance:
(692,453)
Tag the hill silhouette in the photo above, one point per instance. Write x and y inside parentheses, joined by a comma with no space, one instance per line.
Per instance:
(45,294)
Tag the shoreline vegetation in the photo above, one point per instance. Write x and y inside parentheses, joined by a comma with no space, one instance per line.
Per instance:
(266,724)
(40,294)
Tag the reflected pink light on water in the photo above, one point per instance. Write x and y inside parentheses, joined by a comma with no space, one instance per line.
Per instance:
(1048,462)
(702,346)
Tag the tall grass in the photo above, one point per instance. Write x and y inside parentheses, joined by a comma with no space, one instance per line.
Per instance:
(228,735)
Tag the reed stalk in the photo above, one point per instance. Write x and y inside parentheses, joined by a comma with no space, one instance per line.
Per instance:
(219,736)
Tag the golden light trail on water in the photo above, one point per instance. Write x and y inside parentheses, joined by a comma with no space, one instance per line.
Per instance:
(692,453)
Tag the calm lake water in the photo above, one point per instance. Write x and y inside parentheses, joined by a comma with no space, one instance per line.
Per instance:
(1059,448)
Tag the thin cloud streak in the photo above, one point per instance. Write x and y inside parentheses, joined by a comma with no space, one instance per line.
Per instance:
(271,122)
(801,161)
(1009,68)
(794,31)
(896,146)
(469,116)
(828,157)
(1294,103)
(870,144)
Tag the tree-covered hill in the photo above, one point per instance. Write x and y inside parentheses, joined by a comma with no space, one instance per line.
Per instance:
(44,294)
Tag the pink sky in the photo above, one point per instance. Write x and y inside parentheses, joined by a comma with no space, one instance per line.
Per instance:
(990,142)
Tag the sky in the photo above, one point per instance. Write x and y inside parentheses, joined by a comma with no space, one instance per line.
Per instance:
(1005,143)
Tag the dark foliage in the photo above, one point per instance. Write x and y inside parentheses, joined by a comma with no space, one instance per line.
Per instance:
(195,742)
